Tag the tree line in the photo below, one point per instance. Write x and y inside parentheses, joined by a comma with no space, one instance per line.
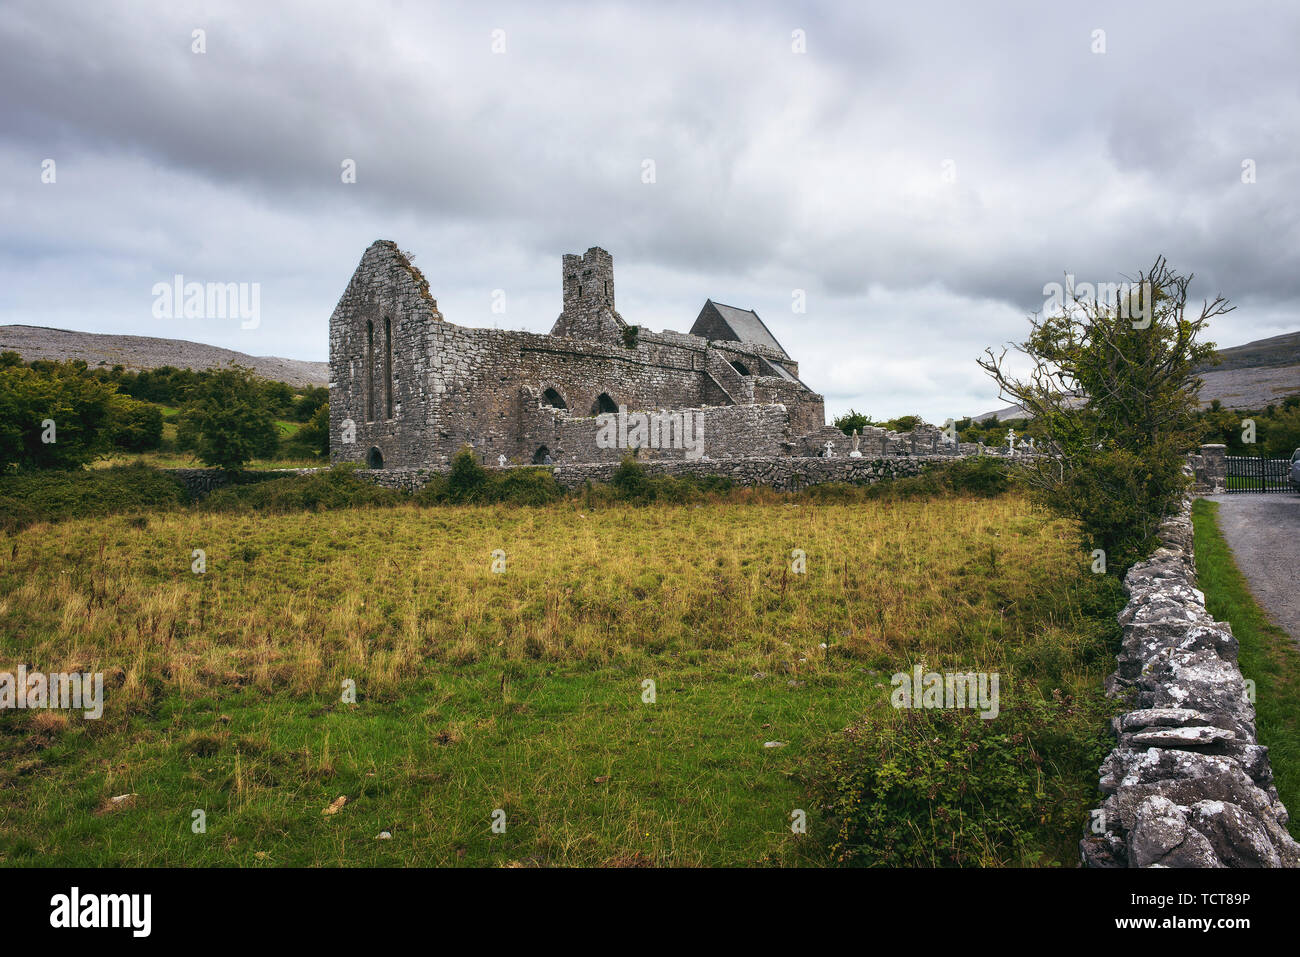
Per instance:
(65,414)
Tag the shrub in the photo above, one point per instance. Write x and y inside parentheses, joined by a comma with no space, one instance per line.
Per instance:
(630,483)
(981,477)
(1113,389)
(944,788)
(314,436)
(630,480)
(526,487)
(78,406)
(312,398)
(466,478)
(134,426)
(469,482)
(56,496)
(1120,499)
(228,421)
(333,488)
(851,421)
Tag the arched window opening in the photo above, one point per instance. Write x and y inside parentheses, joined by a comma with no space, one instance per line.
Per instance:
(370,371)
(542,456)
(603,404)
(374,458)
(388,368)
(553,399)
(740,367)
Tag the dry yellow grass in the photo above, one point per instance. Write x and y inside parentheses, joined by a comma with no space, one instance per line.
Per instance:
(300,602)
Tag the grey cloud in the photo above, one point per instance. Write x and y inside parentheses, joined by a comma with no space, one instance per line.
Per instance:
(774,170)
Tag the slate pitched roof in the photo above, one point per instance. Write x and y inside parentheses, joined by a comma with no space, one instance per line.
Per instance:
(721,322)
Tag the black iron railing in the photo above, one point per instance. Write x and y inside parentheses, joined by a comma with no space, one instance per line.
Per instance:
(1253,473)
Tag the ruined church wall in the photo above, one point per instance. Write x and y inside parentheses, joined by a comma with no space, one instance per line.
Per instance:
(411,389)
(733,431)
(390,298)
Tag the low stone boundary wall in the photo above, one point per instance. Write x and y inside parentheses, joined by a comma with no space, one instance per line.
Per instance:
(1187,785)
(780,473)
(783,473)
(199,482)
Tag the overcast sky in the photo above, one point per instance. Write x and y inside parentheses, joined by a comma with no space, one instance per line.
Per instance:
(921,171)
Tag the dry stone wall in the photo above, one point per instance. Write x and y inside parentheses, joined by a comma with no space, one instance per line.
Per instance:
(1187,784)
(784,474)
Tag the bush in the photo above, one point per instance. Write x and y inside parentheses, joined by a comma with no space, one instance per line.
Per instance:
(135,426)
(469,482)
(1113,389)
(945,788)
(1120,499)
(56,496)
(327,489)
(630,483)
(851,421)
(78,406)
(307,404)
(228,422)
(981,477)
(314,436)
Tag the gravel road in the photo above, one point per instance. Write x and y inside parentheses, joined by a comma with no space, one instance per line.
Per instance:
(1263,532)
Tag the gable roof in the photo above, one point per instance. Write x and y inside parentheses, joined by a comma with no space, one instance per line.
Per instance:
(722,322)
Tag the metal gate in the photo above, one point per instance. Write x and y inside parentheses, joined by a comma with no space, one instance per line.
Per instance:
(1251,473)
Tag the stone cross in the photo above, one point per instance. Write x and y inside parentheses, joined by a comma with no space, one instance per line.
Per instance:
(501,461)
(1011,440)
(855,454)
(830,449)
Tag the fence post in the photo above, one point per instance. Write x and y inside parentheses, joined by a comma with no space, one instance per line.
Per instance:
(1215,459)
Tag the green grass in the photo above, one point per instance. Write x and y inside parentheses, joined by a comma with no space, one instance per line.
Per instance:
(1268,656)
(519,691)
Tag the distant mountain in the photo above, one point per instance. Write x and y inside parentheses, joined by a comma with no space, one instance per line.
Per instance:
(1247,377)
(147,352)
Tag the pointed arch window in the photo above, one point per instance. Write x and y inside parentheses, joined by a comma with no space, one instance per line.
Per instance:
(388,368)
(370,371)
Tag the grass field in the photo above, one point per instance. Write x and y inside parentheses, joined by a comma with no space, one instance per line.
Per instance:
(521,691)
(1267,656)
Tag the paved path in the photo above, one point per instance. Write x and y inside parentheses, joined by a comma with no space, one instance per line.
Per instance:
(1263,532)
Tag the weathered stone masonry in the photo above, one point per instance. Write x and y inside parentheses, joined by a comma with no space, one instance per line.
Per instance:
(1187,784)
(408,388)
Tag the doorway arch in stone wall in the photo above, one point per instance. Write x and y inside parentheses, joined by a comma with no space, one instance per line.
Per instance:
(740,367)
(603,404)
(374,458)
(554,399)
(542,456)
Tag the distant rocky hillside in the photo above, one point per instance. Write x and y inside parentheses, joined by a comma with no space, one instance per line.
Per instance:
(146,352)
(1247,377)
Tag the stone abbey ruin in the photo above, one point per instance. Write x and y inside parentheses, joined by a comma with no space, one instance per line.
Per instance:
(411,389)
